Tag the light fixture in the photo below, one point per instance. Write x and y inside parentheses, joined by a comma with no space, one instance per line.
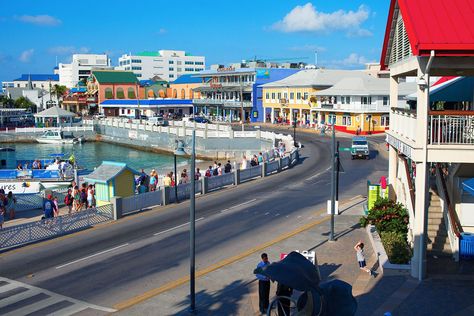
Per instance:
(180,149)
(422,83)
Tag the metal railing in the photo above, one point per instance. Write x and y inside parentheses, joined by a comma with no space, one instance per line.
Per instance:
(141,201)
(221,181)
(451,127)
(23,234)
(44,129)
(35,201)
(252,172)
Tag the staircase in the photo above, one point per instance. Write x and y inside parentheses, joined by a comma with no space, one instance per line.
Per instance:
(438,241)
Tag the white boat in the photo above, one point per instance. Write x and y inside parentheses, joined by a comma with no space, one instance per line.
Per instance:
(57,137)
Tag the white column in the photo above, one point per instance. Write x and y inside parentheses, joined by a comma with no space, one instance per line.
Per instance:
(393,161)
(418,263)
(290,115)
(272,115)
(301,115)
(392,170)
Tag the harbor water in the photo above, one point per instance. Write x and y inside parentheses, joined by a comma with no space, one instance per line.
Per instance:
(91,154)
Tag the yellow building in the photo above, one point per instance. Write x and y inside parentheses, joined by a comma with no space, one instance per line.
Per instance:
(112,179)
(359,105)
(289,99)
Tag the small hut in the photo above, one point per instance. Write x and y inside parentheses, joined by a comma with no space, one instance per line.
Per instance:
(54,117)
(112,179)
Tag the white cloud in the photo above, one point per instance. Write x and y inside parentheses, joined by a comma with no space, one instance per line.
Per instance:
(308,48)
(352,61)
(26,55)
(44,19)
(68,50)
(307,19)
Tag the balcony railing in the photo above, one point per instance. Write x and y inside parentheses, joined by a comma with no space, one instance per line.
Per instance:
(451,127)
(403,122)
(353,107)
(223,102)
(226,84)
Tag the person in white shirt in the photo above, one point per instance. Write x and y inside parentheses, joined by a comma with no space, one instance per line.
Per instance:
(243,165)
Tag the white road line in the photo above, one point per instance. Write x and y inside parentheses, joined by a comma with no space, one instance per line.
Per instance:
(235,206)
(267,213)
(176,227)
(318,174)
(91,256)
(277,214)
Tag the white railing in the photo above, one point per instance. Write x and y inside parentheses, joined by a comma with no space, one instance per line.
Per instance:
(35,201)
(245,134)
(44,129)
(250,173)
(272,166)
(23,234)
(403,122)
(451,129)
(141,201)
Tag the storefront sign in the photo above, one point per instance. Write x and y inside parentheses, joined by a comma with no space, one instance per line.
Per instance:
(225,69)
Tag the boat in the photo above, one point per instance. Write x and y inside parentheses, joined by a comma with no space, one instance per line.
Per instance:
(57,137)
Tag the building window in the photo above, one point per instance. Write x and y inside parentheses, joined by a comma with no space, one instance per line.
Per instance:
(385,101)
(273,95)
(298,96)
(331,119)
(199,69)
(305,96)
(346,120)
(267,96)
(120,93)
(285,95)
(128,111)
(108,93)
(385,120)
(366,100)
(188,69)
(136,61)
(131,93)
(178,62)
(189,62)
(171,62)
(136,68)
(171,69)
(171,76)
(279,95)
(292,95)
(345,100)
(199,63)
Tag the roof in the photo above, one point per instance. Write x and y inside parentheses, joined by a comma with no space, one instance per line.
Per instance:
(314,78)
(77,90)
(38,77)
(366,85)
(107,171)
(450,89)
(187,79)
(55,111)
(115,76)
(149,54)
(148,102)
(440,25)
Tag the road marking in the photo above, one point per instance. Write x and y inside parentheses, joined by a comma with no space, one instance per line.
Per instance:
(267,213)
(318,174)
(277,214)
(173,284)
(176,227)
(235,206)
(92,256)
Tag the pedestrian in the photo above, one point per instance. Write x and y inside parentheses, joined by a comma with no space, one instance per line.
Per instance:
(227,167)
(184,177)
(49,207)
(284,302)
(56,206)
(69,200)
(359,248)
(10,205)
(263,286)
(167,180)
(84,195)
(77,199)
(90,196)
(260,158)
(219,169)
(173,182)
(153,180)
(2,211)
(243,165)
(197,175)
(208,173)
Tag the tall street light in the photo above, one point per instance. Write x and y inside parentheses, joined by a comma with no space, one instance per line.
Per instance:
(192,229)
(294,129)
(179,151)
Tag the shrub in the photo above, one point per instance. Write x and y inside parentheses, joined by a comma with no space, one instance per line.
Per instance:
(387,216)
(396,247)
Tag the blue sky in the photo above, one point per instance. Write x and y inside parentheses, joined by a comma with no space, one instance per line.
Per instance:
(345,33)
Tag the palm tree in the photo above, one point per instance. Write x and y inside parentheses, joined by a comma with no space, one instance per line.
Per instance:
(59,91)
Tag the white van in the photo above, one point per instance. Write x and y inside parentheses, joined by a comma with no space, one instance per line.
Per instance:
(157,120)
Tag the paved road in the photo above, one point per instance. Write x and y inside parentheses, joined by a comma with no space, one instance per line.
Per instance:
(115,262)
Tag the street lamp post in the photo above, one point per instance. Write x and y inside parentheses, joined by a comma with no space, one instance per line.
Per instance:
(192,228)
(333,179)
(294,129)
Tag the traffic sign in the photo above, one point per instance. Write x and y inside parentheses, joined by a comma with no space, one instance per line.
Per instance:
(345,149)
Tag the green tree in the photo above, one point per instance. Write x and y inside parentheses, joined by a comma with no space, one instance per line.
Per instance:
(25,103)
(59,91)
(7,101)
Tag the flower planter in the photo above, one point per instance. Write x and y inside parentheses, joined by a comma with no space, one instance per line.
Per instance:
(382,258)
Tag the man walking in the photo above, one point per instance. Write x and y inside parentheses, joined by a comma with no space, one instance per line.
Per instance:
(263,286)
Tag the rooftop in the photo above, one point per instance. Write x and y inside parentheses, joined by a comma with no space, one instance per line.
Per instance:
(315,78)
(366,85)
(149,54)
(107,171)
(187,79)
(115,76)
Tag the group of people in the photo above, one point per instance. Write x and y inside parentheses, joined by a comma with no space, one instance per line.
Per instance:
(7,206)
(215,170)
(76,199)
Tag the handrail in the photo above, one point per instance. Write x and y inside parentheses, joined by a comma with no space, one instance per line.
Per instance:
(451,112)
(456,227)
(411,187)
(403,110)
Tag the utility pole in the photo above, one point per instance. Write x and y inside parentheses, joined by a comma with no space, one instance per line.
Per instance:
(337,171)
(333,180)
(138,104)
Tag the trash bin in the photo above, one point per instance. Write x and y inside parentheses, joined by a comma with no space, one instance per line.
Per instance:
(466,247)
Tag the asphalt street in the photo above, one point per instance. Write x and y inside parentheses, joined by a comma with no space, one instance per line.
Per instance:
(117,261)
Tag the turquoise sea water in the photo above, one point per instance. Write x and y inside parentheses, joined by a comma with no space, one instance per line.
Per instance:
(91,154)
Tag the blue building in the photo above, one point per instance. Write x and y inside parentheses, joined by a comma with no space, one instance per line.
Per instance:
(226,93)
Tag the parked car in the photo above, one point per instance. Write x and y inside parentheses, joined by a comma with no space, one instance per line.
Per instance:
(98,116)
(200,119)
(157,121)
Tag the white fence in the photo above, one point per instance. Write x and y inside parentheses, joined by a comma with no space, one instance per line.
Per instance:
(23,234)
(220,181)
(252,172)
(451,129)
(141,201)
(44,129)
(35,201)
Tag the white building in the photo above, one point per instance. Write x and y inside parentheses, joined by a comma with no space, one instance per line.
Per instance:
(167,64)
(42,81)
(80,68)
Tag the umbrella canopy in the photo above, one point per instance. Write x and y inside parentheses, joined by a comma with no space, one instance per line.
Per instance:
(468,186)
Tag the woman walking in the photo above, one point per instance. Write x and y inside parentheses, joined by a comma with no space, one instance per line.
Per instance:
(10,205)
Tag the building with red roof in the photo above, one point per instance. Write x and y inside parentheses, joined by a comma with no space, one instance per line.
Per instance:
(423,39)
